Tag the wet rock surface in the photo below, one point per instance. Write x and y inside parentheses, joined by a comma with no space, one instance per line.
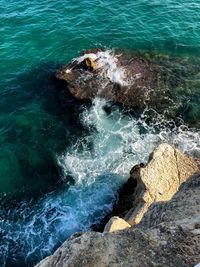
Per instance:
(135,81)
(115,78)
(168,234)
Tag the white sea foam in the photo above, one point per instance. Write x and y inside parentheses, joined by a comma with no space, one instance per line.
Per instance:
(119,141)
(99,163)
(107,64)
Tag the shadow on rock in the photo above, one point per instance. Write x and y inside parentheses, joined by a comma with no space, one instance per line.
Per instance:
(164,83)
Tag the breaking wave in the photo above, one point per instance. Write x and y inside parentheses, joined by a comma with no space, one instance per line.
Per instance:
(107,64)
(99,163)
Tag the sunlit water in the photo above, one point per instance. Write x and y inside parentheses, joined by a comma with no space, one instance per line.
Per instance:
(61,162)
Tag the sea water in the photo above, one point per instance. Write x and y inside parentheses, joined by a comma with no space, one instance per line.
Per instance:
(62,161)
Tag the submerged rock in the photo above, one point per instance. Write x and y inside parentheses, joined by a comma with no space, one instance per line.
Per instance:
(169,232)
(136,81)
(114,77)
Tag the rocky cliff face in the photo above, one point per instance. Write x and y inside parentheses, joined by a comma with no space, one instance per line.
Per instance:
(159,180)
(167,232)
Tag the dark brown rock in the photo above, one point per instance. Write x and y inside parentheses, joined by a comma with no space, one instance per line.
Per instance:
(131,90)
(159,82)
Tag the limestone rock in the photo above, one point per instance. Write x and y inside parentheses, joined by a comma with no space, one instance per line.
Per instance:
(166,208)
(182,210)
(159,180)
(168,236)
(116,224)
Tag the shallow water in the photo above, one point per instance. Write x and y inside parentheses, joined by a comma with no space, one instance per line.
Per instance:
(61,162)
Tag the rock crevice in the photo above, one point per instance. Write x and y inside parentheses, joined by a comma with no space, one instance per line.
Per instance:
(165,220)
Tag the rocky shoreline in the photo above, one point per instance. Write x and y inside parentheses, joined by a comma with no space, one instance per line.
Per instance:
(155,221)
(159,208)
(136,81)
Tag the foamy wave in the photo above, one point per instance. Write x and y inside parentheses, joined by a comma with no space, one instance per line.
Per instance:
(107,64)
(99,163)
(118,141)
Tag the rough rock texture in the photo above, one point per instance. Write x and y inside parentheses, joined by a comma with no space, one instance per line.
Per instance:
(136,81)
(159,180)
(168,236)
(115,224)
(129,86)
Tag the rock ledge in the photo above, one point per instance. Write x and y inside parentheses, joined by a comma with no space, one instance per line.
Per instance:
(166,208)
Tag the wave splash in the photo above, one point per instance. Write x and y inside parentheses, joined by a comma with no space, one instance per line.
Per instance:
(107,63)
(99,163)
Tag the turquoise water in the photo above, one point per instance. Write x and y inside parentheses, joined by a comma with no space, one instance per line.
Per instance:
(61,162)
